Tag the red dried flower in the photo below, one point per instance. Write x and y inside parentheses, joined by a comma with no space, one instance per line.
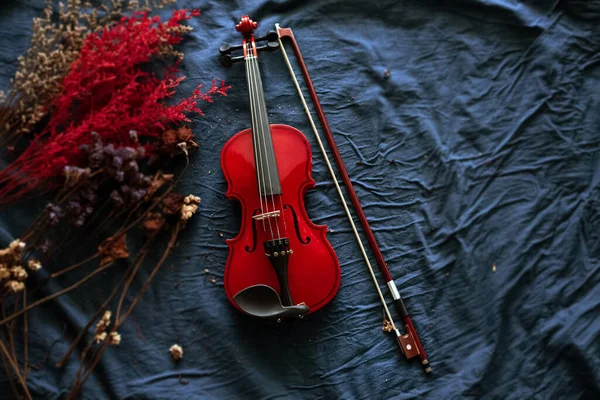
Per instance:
(107,92)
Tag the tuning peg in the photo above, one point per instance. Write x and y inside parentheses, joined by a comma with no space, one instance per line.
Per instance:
(227,60)
(271,36)
(226,48)
(270,46)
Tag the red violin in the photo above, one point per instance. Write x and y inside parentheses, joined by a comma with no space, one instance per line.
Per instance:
(280,264)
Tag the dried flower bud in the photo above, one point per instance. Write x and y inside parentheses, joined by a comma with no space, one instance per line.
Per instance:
(172,204)
(112,249)
(190,206)
(55,214)
(14,286)
(18,273)
(75,174)
(99,337)
(153,223)
(34,265)
(176,352)
(116,198)
(114,338)
(103,324)
(183,147)
(16,246)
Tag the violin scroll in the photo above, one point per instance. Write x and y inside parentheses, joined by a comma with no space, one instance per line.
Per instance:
(246,27)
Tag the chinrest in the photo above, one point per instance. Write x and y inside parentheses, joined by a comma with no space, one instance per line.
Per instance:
(263,301)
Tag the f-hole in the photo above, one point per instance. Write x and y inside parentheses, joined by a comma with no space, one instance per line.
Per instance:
(296,227)
(257,211)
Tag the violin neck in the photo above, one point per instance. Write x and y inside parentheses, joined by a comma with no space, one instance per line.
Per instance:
(264,154)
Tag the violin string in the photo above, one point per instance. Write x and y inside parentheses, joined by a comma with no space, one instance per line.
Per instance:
(257,156)
(256,161)
(337,185)
(261,151)
(257,142)
(264,129)
(285,233)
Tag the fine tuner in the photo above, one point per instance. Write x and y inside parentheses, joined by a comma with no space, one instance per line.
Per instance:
(227,59)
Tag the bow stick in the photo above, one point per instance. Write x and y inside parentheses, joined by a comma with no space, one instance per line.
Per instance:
(409,342)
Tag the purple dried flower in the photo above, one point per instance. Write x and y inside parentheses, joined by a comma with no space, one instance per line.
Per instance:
(55,214)
(116,198)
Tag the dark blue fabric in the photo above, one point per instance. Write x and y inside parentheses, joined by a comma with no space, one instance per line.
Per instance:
(481,149)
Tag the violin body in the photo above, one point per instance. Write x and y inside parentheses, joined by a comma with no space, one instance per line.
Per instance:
(313,271)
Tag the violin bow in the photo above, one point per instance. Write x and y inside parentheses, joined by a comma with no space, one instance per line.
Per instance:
(409,343)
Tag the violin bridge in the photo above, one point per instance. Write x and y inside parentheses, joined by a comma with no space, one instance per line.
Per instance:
(271,214)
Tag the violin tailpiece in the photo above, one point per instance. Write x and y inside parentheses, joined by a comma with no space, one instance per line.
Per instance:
(278,252)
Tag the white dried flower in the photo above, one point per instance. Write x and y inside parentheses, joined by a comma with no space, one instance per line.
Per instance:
(15,286)
(114,338)
(176,352)
(183,146)
(16,246)
(34,265)
(106,316)
(18,273)
(190,206)
(99,337)
(101,326)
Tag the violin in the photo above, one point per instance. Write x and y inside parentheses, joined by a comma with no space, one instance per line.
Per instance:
(280,264)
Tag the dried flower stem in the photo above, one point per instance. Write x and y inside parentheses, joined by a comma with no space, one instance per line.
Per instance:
(57,294)
(112,216)
(9,334)
(80,381)
(25,338)
(92,320)
(166,253)
(37,227)
(159,199)
(9,376)
(140,258)
(74,266)
(15,369)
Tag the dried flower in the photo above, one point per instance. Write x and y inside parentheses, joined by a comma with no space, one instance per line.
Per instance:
(18,273)
(114,338)
(108,70)
(172,204)
(157,182)
(12,273)
(176,352)
(34,265)
(183,147)
(57,39)
(100,337)
(113,249)
(153,223)
(14,286)
(387,326)
(17,246)
(100,333)
(190,206)
(74,175)
(174,141)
